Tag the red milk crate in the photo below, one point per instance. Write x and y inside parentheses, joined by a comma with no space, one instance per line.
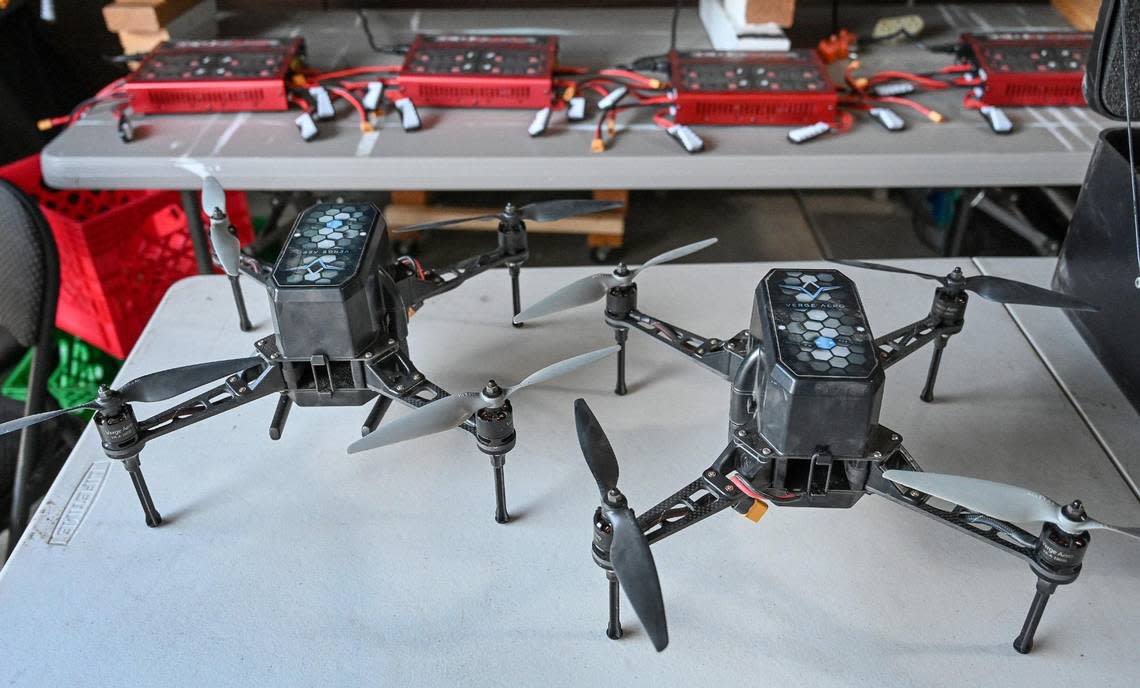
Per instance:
(119,251)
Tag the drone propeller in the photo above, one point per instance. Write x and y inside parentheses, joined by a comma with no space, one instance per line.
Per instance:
(630,555)
(451,412)
(158,386)
(989,287)
(543,211)
(1005,502)
(222,236)
(594,288)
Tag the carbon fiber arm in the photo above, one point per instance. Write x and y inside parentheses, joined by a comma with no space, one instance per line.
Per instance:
(720,356)
(415,289)
(710,494)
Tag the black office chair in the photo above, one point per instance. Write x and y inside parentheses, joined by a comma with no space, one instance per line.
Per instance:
(29,289)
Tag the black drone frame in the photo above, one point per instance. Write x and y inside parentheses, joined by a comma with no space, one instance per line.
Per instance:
(1054,555)
(382,371)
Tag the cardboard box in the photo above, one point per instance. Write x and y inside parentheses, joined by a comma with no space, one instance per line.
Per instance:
(142,16)
(200,22)
(779,12)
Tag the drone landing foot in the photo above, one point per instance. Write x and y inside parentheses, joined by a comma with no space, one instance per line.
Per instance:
(497,463)
(153,518)
(613,629)
(376,415)
(516,301)
(621,334)
(239,301)
(280,415)
(932,374)
(1024,641)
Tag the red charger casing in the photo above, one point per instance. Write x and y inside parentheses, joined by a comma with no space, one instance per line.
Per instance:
(752,88)
(1031,68)
(239,75)
(474,71)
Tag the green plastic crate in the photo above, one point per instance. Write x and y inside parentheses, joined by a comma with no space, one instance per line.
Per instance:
(82,368)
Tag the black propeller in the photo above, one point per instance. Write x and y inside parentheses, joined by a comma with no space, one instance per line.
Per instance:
(543,211)
(630,555)
(159,386)
(997,289)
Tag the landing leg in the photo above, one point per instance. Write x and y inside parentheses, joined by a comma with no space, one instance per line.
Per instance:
(516,300)
(620,335)
(932,374)
(375,415)
(497,463)
(1024,641)
(613,630)
(153,519)
(280,415)
(239,301)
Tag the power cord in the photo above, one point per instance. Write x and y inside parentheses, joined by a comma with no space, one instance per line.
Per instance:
(383,49)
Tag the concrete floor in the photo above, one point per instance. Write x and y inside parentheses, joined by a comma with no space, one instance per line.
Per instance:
(751,226)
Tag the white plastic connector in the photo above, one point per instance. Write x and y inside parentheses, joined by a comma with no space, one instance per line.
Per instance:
(811,131)
(372,96)
(324,102)
(894,88)
(688,138)
(576,110)
(888,118)
(612,98)
(539,123)
(409,116)
(307,126)
(999,122)
(126,129)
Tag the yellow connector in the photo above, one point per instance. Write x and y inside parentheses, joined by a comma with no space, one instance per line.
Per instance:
(936,117)
(655,83)
(597,146)
(569,93)
(44,124)
(611,126)
(367,127)
(860,83)
(756,511)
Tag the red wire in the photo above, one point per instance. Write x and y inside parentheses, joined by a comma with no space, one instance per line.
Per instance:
(352,101)
(352,71)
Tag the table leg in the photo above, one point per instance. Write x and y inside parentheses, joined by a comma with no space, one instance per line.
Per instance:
(197,232)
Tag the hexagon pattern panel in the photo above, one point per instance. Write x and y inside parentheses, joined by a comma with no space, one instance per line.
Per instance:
(326,246)
(821,330)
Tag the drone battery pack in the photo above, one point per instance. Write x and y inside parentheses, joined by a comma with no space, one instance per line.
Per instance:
(474,71)
(822,384)
(1022,69)
(240,75)
(752,88)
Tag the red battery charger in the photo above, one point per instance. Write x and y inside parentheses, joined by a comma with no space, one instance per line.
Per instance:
(752,88)
(1031,68)
(240,75)
(475,71)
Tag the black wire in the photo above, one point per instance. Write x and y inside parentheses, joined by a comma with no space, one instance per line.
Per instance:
(385,49)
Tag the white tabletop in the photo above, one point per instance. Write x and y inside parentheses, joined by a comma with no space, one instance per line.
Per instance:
(1096,397)
(291,563)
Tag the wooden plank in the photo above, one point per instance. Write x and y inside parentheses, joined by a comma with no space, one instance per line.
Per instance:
(600,224)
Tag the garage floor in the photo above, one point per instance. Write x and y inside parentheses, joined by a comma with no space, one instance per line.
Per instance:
(751,226)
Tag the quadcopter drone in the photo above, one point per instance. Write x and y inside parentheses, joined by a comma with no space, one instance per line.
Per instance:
(340,306)
(806,387)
